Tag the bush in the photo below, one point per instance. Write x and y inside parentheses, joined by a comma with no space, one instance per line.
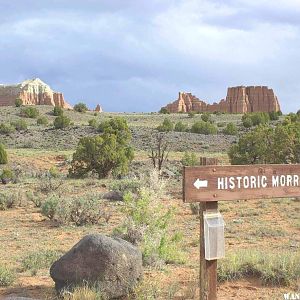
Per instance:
(102,155)
(30,112)
(125,185)
(20,125)
(93,123)
(230,129)
(61,122)
(166,126)
(180,127)
(204,128)
(7,276)
(42,121)
(3,155)
(107,154)
(6,128)
(80,107)
(257,118)
(189,159)
(18,102)
(206,117)
(268,145)
(146,225)
(274,116)
(58,111)
(6,176)
(7,200)
(163,110)
(247,122)
(77,210)
(191,114)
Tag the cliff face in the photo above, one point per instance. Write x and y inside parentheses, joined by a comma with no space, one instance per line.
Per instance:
(239,99)
(32,92)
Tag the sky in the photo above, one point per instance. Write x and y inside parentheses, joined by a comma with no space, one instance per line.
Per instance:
(135,56)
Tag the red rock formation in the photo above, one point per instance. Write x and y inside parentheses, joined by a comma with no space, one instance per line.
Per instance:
(98,108)
(239,99)
(31,92)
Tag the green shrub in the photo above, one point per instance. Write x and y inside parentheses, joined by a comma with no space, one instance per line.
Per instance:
(166,126)
(3,155)
(123,186)
(42,121)
(257,118)
(35,198)
(102,155)
(6,128)
(48,208)
(163,110)
(107,154)
(268,145)
(7,276)
(230,129)
(7,200)
(146,225)
(189,159)
(18,102)
(7,175)
(271,268)
(38,260)
(247,122)
(180,127)
(61,122)
(30,112)
(204,128)
(206,117)
(274,116)
(93,123)
(77,210)
(58,111)
(20,125)
(80,107)
(191,114)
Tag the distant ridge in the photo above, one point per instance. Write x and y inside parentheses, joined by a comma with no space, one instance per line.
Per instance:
(240,99)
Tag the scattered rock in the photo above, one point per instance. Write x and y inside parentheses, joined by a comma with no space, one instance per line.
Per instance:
(114,264)
(13,297)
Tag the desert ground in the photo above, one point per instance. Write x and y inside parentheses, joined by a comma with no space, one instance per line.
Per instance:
(261,232)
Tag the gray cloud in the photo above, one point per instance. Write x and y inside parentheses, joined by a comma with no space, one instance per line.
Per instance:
(136,55)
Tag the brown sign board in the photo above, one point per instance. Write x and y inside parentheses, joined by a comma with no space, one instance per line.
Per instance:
(217,183)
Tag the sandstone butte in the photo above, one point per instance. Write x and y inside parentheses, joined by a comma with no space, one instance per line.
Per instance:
(240,99)
(31,92)
(98,108)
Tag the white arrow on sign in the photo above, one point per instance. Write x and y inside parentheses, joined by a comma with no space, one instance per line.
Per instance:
(200,184)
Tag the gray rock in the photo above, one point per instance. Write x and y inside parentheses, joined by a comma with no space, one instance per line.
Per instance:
(112,195)
(112,263)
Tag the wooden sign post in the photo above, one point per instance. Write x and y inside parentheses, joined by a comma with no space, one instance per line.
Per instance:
(212,183)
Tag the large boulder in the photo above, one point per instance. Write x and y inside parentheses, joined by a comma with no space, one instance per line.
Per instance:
(113,264)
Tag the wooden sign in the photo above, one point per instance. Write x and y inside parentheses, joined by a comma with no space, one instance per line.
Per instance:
(217,183)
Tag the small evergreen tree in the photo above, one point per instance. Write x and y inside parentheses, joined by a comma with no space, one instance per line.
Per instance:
(180,127)
(58,111)
(61,122)
(30,112)
(80,107)
(230,129)
(166,126)
(204,128)
(42,121)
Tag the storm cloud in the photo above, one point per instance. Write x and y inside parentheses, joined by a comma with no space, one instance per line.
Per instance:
(136,55)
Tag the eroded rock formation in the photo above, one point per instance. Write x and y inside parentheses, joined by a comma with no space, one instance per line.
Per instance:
(240,99)
(31,92)
(98,108)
